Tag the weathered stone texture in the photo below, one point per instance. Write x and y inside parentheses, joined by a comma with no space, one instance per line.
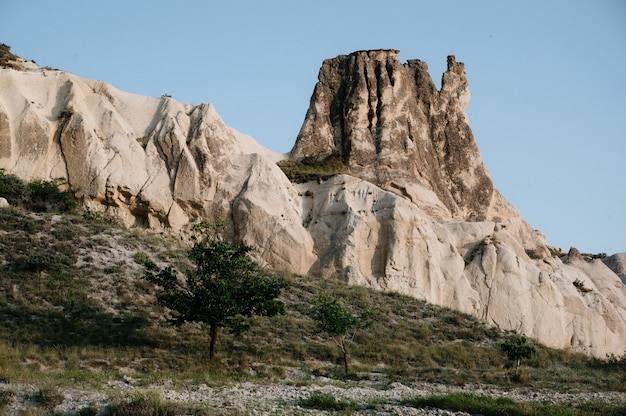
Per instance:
(418,213)
(390,124)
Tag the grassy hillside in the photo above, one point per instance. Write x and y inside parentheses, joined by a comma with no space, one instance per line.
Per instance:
(76,312)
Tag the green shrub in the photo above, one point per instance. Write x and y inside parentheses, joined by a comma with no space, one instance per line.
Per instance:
(580,286)
(326,401)
(7,59)
(87,411)
(50,396)
(469,403)
(45,196)
(594,256)
(142,258)
(46,261)
(556,252)
(38,196)
(13,189)
(145,404)
(6,398)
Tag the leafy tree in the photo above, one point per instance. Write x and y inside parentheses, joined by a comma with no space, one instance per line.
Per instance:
(224,288)
(335,318)
(517,348)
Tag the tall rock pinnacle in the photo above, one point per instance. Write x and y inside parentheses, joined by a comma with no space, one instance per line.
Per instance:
(391,126)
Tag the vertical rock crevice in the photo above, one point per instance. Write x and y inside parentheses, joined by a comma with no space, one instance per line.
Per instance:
(415,133)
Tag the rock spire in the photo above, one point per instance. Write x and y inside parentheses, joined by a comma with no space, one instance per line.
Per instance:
(392,127)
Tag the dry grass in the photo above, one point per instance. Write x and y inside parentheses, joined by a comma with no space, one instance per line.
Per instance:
(312,168)
(83,315)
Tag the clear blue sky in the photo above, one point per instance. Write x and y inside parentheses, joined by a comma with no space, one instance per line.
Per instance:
(548,80)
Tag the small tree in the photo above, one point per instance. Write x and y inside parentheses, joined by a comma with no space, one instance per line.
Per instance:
(517,348)
(224,288)
(335,318)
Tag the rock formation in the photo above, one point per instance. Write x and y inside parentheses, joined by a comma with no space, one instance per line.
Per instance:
(147,161)
(392,127)
(417,212)
(617,263)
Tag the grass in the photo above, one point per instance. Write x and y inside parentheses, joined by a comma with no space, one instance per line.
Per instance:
(6,397)
(148,404)
(326,401)
(76,312)
(490,406)
(311,168)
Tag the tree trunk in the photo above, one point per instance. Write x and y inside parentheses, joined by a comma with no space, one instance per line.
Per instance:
(213,338)
(345,355)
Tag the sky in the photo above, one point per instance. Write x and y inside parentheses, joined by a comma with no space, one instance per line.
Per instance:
(548,107)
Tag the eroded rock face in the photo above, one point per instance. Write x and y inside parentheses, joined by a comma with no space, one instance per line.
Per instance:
(391,126)
(372,237)
(617,263)
(417,215)
(148,162)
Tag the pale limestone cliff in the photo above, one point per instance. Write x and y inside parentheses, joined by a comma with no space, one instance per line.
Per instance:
(418,213)
(146,161)
(369,236)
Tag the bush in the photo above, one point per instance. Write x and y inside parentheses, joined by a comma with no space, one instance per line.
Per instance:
(142,258)
(46,197)
(6,398)
(38,196)
(14,189)
(87,411)
(326,401)
(147,404)
(594,256)
(6,57)
(50,396)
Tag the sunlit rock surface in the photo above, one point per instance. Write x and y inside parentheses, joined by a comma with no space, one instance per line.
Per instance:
(417,212)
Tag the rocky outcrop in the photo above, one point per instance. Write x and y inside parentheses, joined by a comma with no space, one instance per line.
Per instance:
(369,236)
(417,213)
(392,127)
(148,162)
(617,263)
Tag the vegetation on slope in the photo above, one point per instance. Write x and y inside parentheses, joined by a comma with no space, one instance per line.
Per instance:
(312,168)
(76,311)
(7,59)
